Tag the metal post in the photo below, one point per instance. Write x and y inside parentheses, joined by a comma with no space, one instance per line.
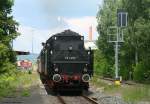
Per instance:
(116,53)
(116,60)
(32,39)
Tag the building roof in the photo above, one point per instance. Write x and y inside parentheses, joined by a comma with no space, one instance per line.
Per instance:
(22,53)
(91,44)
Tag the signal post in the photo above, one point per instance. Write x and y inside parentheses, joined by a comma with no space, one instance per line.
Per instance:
(115,35)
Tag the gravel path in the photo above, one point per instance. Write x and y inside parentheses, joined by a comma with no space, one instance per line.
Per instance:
(75,100)
(97,93)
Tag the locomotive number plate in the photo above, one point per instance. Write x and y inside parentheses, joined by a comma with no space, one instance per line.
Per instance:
(70,58)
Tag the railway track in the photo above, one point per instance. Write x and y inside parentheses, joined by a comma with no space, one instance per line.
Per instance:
(112,80)
(82,99)
(61,100)
(90,99)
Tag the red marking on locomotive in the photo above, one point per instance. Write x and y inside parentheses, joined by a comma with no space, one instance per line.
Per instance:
(68,77)
(76,77)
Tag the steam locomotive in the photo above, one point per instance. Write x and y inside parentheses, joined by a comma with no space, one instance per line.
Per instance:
(64,63)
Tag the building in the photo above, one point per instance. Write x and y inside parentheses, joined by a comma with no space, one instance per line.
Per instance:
(90,43)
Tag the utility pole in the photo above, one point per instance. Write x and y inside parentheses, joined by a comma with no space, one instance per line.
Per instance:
(32,31)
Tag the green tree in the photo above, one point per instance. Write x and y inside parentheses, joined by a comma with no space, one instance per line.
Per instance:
(138,36)
(106,17)
(8,32)
(135,51)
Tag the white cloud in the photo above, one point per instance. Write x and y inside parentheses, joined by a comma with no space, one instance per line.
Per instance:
(24,41)
(81,25)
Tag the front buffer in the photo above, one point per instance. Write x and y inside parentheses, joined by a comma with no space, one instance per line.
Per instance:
(71,82)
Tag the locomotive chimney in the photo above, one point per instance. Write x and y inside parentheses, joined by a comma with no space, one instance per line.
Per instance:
(90,33)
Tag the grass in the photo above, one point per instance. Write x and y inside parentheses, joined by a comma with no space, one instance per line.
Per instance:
(18,84)
(134,93)
(137,93)
(25,93)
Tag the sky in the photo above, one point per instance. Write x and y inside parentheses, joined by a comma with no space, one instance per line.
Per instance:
(39,19)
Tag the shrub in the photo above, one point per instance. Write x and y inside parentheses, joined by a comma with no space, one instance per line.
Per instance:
(101,65)
(124,72)
(7,68)
(142,73)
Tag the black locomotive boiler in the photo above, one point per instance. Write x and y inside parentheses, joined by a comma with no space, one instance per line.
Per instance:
(64,63)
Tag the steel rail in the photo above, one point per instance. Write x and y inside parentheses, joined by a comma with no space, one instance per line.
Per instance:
(112,80)
(90,100)
(61,99)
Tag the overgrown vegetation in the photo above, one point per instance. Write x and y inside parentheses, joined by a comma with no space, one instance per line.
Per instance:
(131,93)
(101,65)
(20,83)
(8,32)
(134,53)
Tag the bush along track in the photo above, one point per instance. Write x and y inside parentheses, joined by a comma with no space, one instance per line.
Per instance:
(17,84)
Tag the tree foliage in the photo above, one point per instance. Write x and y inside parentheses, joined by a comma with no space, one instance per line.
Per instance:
(8,32)
(134,53)
(106,17)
